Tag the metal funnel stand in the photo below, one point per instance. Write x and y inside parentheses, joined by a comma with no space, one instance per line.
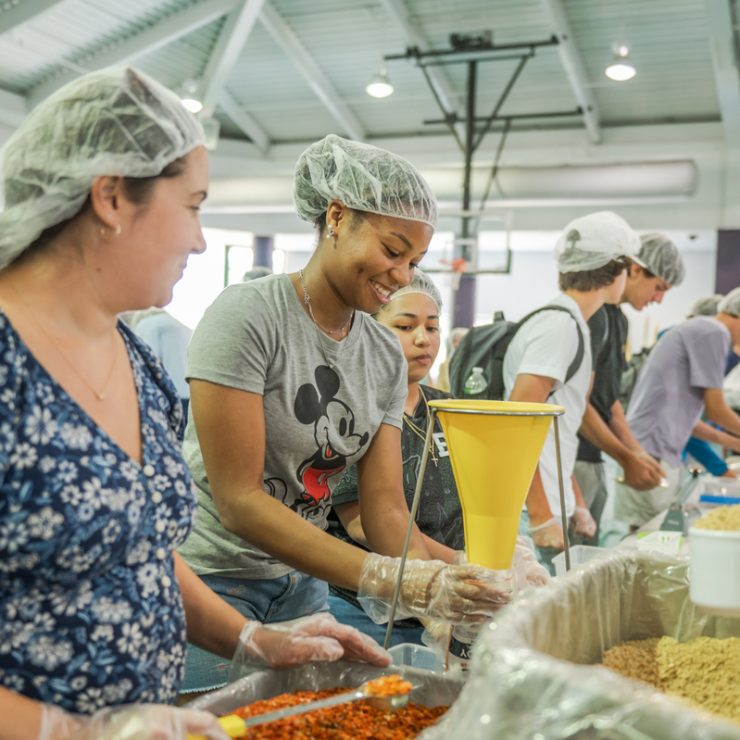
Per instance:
(494,449)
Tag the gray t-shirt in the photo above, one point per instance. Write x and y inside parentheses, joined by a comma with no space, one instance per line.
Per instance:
(323,402)
(668,398)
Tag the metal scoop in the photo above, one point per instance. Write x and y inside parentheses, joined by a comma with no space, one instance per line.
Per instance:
(235,726)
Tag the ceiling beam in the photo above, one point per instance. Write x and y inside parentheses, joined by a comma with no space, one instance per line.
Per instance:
(575,70)
(22,12)
(721,27)
(306,65)
(244,121)
(164,32)
(234,34)
(401,16)
(13,108)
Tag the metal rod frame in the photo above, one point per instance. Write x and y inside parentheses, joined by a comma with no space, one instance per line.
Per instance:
(432,412)
(409,529)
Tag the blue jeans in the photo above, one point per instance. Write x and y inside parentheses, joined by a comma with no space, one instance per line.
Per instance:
(271,600)
(352,615)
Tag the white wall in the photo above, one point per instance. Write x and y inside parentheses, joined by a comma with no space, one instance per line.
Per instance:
(532,282)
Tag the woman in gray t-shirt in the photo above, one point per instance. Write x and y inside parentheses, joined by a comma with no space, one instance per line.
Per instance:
(291,383)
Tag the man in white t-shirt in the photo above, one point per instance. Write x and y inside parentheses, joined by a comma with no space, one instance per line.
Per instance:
(592,268)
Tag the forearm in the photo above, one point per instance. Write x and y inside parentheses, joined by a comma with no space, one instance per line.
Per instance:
(726,418)
(25,713)
(385,526)
(577,494)
(212,623)
(438,551)
(619,426)
(274,528)
(596,431)
(707,432)
(538,507)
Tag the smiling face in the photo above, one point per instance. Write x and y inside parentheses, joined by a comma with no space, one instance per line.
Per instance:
(371,256)
(414,319)
(643,288)
(158,236)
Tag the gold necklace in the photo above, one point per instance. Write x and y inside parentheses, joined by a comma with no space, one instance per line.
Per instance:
(307,303)
(99,394)
(421,433)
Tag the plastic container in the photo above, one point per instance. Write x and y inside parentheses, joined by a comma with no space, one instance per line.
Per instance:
(579,556)
(431,689)
(476,383)
(720,491)
(416,656)
(714,570)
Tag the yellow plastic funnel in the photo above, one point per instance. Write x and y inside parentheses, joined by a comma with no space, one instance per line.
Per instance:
(494,447)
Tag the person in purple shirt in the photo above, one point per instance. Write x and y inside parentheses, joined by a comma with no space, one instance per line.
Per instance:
(681,380)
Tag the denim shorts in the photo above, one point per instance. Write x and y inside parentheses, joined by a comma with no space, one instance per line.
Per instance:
(271,600)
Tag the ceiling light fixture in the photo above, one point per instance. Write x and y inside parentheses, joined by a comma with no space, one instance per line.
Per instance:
(621,69)
(380,85)
(189,96)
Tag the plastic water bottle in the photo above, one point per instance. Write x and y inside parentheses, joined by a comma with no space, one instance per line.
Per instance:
(476,383)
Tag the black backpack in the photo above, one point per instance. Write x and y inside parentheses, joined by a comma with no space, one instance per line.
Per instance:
(485,347)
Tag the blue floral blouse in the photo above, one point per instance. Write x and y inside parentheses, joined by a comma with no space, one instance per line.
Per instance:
(90,610)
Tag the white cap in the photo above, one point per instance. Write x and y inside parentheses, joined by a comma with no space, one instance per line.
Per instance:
(730,304)
(592,241)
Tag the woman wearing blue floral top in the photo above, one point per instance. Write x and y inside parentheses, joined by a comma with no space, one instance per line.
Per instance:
(95,606)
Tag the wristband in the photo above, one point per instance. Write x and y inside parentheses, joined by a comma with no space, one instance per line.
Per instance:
(552,520)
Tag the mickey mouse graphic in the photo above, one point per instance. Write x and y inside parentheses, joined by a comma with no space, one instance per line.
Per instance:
(334,432)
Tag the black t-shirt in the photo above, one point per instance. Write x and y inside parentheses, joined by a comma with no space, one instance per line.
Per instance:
(609,328)
(440,514)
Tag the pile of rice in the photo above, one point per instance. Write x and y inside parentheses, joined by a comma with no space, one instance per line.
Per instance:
(705,671)
(723,518)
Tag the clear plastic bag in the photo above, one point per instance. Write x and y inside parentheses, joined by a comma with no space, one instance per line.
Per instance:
(533,675)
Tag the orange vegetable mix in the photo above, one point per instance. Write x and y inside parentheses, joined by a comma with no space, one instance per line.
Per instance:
(391,685)
(352,721)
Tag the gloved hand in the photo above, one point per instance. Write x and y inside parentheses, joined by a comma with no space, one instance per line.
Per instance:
(129,722)
(317,638)
(583,522)
(527,571)
(464,594)
(548,534)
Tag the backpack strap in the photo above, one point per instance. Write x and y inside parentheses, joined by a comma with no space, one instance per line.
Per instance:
(580,350)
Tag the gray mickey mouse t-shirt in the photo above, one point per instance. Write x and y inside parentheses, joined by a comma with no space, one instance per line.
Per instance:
(323,401)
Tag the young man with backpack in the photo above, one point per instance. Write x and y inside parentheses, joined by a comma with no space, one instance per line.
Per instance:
(593,253)
(683,377)
(657,267)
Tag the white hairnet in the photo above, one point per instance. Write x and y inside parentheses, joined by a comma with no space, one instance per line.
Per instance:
(730,303)
(362,177)
(116,121)
(592,241)
(660,255)
(706,306)
(421,283)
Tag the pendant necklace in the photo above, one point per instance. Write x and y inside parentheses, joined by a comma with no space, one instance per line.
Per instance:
(99,395)
(341,331)
(421,433)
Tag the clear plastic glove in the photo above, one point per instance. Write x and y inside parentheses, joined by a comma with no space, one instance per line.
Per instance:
(728,474)
(583,522)
(548,534)
(129,722)
(317,638)
(527,571)
(464,594)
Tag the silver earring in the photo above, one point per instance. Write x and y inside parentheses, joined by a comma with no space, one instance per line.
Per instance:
(330,234)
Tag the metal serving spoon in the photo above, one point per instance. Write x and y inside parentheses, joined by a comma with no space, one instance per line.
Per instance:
(236,727)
